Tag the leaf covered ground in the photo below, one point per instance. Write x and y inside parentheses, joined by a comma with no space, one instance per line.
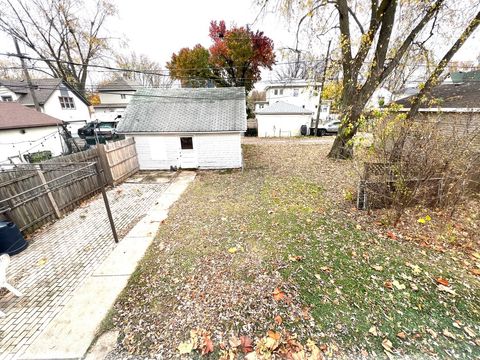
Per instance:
(273,262)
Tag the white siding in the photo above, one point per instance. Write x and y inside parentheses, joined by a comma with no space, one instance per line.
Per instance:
(77,117)
(115,97)
(31,141)
(281,125)
(213,151)
(107,114)
(7,92)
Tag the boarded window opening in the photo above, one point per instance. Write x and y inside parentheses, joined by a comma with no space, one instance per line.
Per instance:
(186,143)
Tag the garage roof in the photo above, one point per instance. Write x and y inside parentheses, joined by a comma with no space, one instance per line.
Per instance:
(185,110)
(283,108)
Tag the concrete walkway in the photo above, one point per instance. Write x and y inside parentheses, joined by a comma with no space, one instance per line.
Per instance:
(72,272)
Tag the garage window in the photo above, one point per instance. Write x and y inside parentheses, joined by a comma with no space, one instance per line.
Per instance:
(186,143)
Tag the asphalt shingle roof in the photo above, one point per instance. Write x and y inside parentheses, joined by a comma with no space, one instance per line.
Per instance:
(17,116)
(120,84)
(284,108)
(450,96)
(185,110)
(43,89)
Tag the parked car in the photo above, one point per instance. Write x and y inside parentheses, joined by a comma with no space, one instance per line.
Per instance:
(330,127)
(106,129)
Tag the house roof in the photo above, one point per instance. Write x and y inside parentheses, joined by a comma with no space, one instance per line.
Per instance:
(292,83)
(283,108)
(43,89)
(185,110)
(120,84)
(17,116)
(450,96)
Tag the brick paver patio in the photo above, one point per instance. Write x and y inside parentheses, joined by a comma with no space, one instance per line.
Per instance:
(60,257)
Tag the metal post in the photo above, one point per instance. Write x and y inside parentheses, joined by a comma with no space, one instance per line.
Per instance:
(101,184)
(321,89)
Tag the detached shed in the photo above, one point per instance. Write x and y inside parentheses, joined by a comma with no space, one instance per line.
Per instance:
(282,119)
(191,128)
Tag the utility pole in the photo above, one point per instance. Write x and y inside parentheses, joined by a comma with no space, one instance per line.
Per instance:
(27,76)
(321,89)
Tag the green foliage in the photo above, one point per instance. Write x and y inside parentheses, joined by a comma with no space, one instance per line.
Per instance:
(191,66)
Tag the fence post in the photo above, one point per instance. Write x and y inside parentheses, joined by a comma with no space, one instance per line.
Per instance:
(101,184)
(103,157)
(49,193)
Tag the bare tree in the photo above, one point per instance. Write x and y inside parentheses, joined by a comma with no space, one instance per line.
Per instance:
(10,70)
(146,71)
(374,40)
(67,35)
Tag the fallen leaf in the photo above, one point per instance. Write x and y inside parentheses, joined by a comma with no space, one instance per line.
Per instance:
(448,334)
(42,261)
(476,255)
(207,345)
(432,333)
(387,345)
(278,294)
(252,356)
(246,344)
(469,332)
(388,284)
(315,353)
(398,285)
(402,335)
(446,289)
(295,258)
(475,271)
(232,250)
(278,320)
(414,287)
(373,331)
(234,342)
(421,221)
(274,335)
(442,281)
(391,235)
(377,267)
(326,269)
(185,347)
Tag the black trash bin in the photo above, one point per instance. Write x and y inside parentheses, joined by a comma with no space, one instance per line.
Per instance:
(11,239)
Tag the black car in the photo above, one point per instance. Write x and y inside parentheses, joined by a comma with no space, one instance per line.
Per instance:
(105,129)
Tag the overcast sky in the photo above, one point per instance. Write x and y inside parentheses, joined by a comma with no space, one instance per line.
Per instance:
(159,28)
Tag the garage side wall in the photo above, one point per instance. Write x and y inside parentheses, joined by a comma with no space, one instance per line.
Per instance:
(281,125)
(212,151)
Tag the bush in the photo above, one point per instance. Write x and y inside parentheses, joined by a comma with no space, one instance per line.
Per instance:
(429,161)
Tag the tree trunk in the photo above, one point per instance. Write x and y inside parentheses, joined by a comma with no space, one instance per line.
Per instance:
(342,147)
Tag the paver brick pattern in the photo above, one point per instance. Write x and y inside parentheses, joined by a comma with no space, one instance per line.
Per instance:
(60,257)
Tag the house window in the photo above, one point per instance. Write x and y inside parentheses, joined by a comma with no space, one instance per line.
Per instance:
(281,91)
(7,98)
(186,143)
(123,96)
(66,102)
(295,92)
(275,92)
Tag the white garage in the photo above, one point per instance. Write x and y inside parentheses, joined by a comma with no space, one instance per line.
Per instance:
(195,128)
(282,119)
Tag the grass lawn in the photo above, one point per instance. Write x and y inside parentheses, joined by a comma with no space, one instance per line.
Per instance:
(276,247)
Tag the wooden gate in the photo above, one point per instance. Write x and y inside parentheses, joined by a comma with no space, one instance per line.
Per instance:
(119,160)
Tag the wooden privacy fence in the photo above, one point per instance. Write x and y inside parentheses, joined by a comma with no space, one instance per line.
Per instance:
(119,160)
(35,194)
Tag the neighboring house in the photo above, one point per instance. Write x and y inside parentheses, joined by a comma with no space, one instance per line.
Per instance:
(282,119)
(380,98)
(114,98)
(56,99)
(24,131)
(456,107)
(197,128)
(301,93)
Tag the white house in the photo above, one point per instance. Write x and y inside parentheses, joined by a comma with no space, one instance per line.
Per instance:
(189,128)
(24,131)
(114,98)
(282,119)
(56,98)
(302,93)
